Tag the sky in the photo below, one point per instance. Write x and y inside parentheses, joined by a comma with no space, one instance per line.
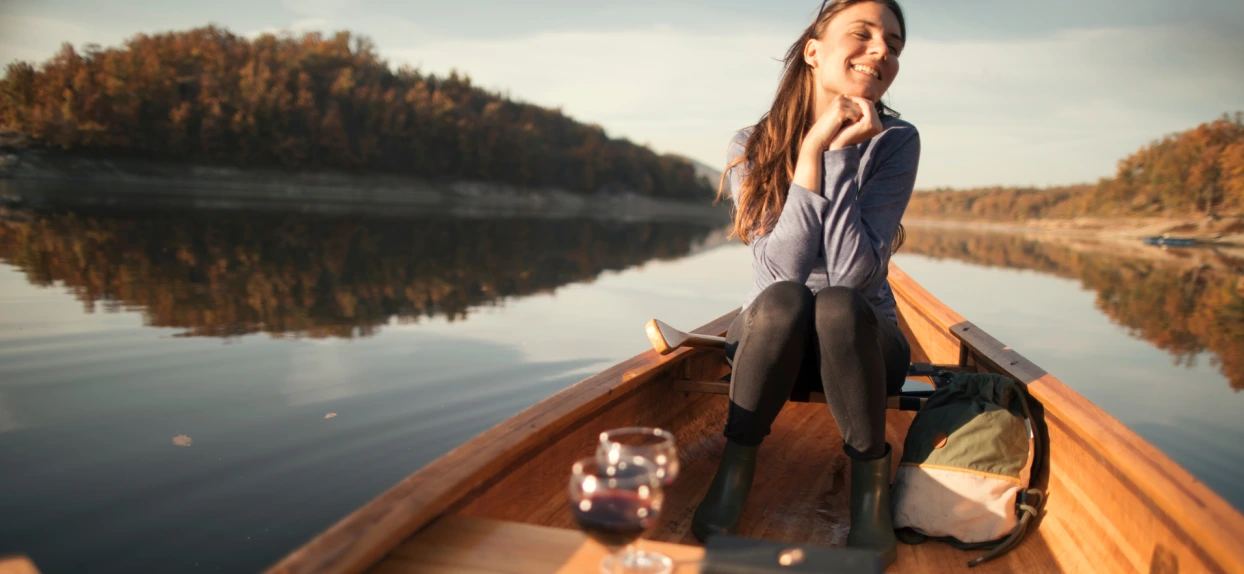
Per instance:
(1003,92)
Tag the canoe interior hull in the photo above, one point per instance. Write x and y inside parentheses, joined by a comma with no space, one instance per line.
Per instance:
(800,487)
(1114,502)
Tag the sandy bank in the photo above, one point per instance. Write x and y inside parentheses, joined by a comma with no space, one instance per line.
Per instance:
(1227,230)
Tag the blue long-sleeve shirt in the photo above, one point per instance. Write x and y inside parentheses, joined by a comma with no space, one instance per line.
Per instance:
(842,233)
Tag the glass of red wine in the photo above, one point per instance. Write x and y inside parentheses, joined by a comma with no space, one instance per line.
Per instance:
(615,504)
(656,447)
(654,444)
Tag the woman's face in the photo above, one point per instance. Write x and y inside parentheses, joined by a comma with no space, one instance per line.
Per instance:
(857,55)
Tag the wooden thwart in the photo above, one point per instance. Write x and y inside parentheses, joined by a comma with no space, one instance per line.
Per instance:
(17,565)
(723,388)
(482,545)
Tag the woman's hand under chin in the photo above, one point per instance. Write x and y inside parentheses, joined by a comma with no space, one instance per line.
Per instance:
(864,128)
(846,121)
(842,111)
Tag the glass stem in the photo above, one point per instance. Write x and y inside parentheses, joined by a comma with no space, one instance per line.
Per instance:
(622,558)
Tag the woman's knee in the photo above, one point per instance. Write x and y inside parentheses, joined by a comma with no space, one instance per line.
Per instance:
(781,304)
(840,309)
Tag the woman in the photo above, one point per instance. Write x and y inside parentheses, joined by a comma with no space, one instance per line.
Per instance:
(820,185)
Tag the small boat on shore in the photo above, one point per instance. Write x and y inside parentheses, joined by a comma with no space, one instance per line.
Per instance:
(499,502)
(1164,241)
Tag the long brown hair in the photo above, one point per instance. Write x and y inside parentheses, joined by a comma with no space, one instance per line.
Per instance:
(773,147)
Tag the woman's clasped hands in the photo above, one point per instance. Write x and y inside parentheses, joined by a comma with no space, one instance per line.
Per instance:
(846,121)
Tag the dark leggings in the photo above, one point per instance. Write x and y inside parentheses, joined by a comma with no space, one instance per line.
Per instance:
(789,340)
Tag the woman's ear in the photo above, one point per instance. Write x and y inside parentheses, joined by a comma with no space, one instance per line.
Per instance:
(809,52)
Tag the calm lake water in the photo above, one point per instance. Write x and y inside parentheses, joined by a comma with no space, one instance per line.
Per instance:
(204,391)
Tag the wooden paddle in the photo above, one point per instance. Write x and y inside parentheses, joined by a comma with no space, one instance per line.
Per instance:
(665,338)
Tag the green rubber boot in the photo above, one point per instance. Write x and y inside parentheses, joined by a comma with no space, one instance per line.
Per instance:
(722,507)
(872,527)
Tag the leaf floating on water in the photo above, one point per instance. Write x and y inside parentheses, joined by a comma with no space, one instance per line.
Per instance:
(182,440)
(330,415)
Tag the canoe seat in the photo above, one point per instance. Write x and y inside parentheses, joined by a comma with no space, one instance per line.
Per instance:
(934,375)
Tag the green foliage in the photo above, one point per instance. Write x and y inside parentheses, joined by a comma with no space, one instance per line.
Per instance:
(312,103)
(1199,171)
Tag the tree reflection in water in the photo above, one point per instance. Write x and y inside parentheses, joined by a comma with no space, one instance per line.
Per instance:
(228,273)
(1184,301)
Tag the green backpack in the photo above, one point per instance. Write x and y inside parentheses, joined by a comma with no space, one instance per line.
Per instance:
(969,460)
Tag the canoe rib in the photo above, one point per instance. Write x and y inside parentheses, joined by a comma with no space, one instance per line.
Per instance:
(1115,502)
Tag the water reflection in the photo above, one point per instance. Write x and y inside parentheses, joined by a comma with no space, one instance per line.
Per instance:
(1184,301)
(228,273)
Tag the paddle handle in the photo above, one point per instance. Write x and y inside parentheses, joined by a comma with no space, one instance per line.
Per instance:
(705,341)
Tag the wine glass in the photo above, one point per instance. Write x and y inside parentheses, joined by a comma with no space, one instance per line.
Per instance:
(654,445)
(614,504)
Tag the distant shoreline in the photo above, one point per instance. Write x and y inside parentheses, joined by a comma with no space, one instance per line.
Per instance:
(1224,231)
(53,180)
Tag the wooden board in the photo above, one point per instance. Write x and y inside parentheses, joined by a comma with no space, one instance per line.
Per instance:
(461,544)
(477,545)
(800,493)
(17,565)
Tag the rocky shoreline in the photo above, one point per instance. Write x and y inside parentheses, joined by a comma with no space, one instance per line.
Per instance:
(38,178)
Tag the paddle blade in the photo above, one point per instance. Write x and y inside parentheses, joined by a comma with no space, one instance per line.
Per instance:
(663,337)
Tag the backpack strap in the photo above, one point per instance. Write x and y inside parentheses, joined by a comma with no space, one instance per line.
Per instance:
(1029,501)
(1027,513)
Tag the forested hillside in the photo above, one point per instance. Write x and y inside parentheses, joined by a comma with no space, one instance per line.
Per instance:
(209,96)
(1196,172)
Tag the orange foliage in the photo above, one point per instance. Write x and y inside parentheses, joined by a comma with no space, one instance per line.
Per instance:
(1199,171)
(206,95)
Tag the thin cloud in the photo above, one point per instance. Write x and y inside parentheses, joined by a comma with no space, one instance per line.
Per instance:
(1045,106)
(298,26)
(316,8)
(26,37)
(1061,108)
(680,90)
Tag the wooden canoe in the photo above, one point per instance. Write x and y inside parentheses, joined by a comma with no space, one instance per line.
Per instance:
(498,502)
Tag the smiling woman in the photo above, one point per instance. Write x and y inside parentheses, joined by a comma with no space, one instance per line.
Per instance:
(819,185)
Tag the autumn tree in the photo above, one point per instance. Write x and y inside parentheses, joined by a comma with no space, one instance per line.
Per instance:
(314,102)
(1199,171)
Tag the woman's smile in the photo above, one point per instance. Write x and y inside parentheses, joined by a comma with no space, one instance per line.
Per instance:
(857,54)
(866,70)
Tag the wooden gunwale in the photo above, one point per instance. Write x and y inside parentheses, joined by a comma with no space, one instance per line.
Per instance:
(1199,519)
